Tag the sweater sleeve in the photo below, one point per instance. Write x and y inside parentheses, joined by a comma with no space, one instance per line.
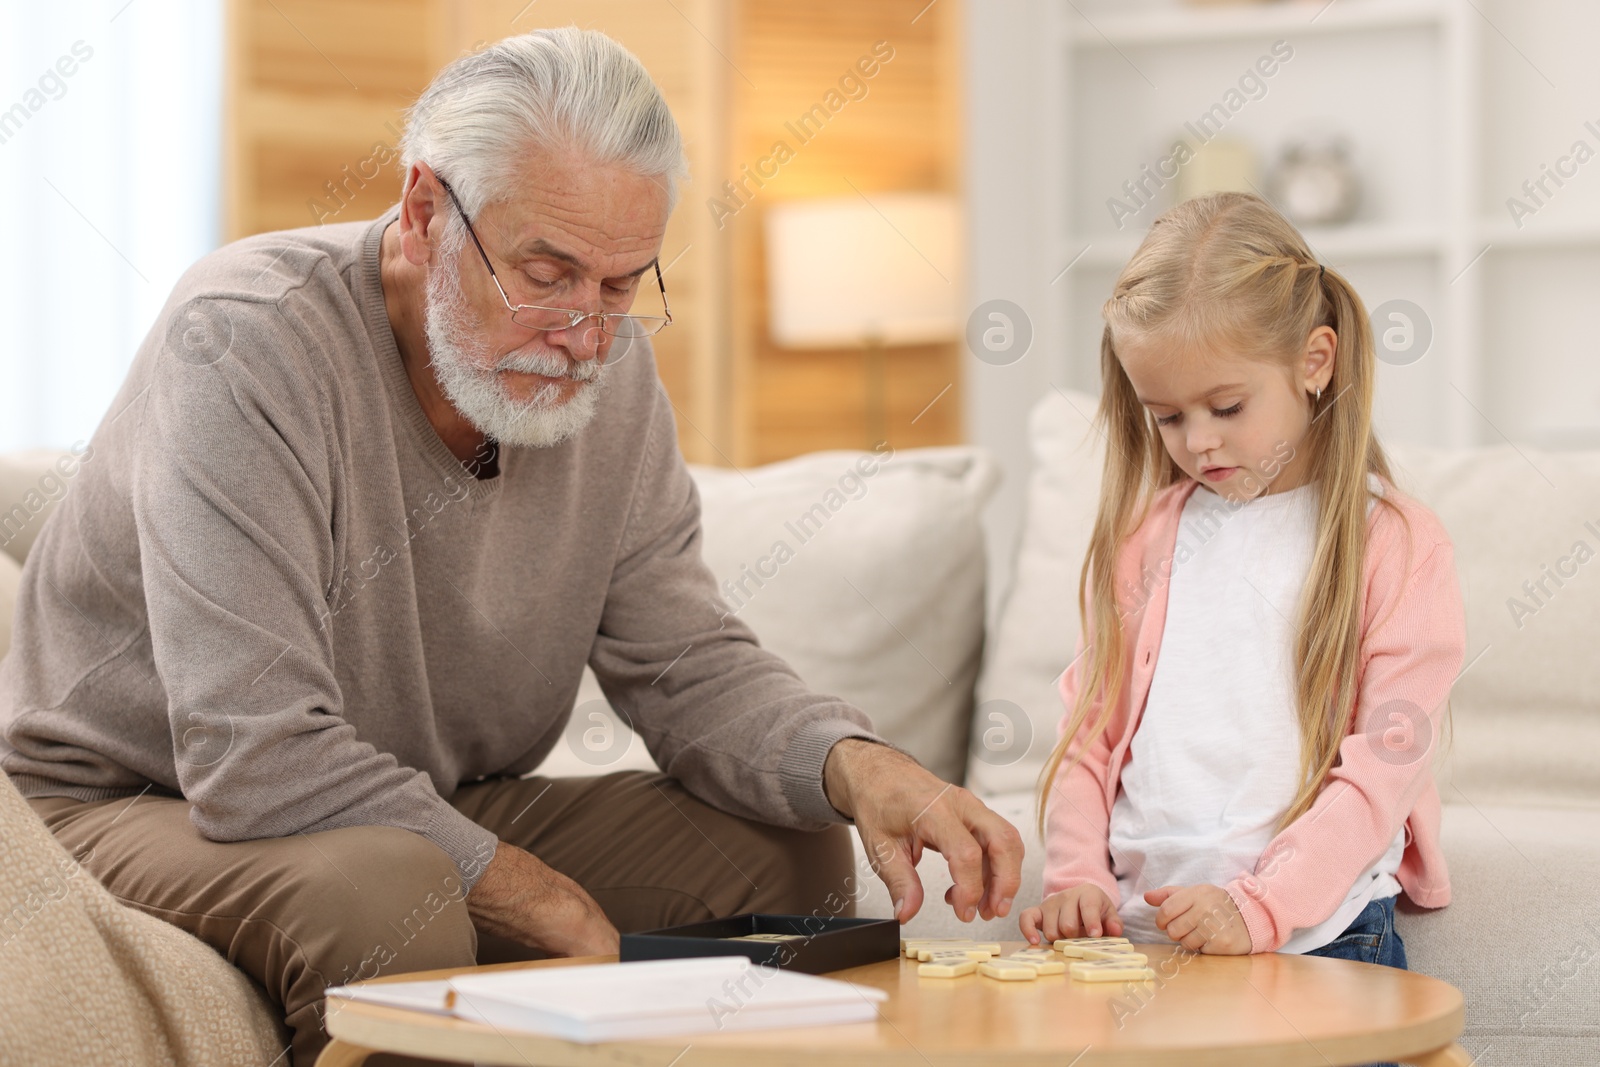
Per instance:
(729,719)
(234,503)
(1078,817)
(1411,652)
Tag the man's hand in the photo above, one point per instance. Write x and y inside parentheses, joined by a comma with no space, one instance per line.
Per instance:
(1201,918)
(899,807)
(1080,912)
(520,898)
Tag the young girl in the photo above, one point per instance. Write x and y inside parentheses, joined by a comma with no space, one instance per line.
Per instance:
(1272,629)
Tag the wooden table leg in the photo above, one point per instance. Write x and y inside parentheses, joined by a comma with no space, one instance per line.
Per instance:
(1449,1056)
(342,1054)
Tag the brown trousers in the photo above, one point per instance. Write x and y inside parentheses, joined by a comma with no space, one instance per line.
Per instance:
(301,913)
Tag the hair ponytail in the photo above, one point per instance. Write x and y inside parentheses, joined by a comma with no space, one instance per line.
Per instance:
(1328,645)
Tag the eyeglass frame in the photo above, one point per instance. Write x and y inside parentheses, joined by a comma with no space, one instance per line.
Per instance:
(576,316)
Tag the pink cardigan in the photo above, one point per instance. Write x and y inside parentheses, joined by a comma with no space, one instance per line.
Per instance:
(1413,641)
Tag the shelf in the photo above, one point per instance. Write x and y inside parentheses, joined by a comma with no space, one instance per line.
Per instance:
(1183,25)
(1365,241)
(1560,438)
(1332,244)
(1363,69)
(1503,233)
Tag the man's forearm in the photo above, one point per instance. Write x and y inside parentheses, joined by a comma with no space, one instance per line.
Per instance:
(522,899)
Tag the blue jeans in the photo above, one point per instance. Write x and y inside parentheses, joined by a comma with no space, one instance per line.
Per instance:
(1372,938)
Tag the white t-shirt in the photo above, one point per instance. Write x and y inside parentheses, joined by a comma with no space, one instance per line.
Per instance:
(1216,757)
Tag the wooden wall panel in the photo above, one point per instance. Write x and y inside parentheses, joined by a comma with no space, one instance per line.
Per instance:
(315,92)
(903,135)
(317,89)
(333,46)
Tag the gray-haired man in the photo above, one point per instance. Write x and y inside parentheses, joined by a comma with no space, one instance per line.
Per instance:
(364,508)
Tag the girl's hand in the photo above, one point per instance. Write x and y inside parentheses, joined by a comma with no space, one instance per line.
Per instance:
(1082,911)
(1201,918)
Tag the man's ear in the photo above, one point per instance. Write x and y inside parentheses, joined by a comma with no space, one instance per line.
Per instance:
(420,204)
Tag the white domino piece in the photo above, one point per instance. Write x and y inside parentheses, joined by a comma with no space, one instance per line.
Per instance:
(1074,946)
(909,945)
(972,949)
(1042,964)
(946,967)
(1009,970)
(1112,970)
(1040,953)
(1126,953)
(980,954)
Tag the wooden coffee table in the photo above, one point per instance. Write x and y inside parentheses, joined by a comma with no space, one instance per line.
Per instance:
(1267,1010)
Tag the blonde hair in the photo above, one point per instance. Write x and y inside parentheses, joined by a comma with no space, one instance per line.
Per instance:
(1228,269)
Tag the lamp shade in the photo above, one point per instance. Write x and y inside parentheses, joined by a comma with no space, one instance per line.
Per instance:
(846,271)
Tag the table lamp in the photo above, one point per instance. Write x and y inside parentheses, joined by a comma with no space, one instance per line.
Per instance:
(859,272)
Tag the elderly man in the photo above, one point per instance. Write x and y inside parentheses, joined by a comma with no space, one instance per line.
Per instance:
(371,497)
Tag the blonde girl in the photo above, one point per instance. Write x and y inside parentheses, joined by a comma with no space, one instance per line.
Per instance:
(1271,629)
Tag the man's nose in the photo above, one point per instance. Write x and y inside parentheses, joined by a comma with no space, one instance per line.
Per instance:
(585,341)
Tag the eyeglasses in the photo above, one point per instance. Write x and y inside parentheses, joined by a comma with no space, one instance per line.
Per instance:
(537,317)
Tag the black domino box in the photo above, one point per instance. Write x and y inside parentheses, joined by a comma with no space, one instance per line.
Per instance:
(818,943)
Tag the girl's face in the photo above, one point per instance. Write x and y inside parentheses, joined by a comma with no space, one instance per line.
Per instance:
(1235,425)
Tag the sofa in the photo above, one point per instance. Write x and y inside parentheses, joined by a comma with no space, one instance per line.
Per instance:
(868,574)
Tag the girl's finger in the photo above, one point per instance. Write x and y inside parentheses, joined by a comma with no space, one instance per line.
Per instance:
(1089,908)
(1067,919)
(1049,926)
(1182,926)
(1029,923)
(1173,905)
(1156,897)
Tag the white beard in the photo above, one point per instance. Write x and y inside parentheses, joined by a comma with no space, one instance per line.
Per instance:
(466,371)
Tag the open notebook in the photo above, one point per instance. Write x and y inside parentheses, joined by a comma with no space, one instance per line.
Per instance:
(616,1001)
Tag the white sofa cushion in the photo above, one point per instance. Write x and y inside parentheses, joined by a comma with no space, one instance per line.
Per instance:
(1525,712)
(1019,709)
(1529,978)
(880,603)
(10,576)
(31,485)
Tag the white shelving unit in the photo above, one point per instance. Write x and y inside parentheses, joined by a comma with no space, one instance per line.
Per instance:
(1397,78)
(1448,105)
(1133,25)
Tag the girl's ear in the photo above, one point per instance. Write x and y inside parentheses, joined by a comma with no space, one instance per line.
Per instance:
(1316,364)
